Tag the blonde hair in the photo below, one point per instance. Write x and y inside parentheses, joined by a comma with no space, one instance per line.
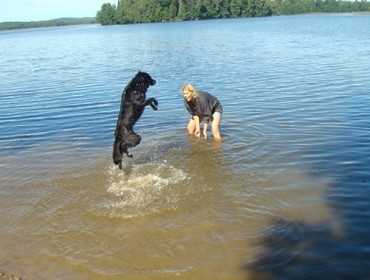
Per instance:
(189,90)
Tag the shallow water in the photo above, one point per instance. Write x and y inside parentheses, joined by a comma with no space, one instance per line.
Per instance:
(285,196)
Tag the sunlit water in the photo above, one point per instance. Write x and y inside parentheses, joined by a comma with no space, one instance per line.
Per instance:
(285,196)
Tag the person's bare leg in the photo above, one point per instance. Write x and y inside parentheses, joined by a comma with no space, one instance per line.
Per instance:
(191,127)
(216,126)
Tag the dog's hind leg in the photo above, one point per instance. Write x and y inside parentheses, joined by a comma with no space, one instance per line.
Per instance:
(117,154)
(124,149)
(130,141)
(129,155)
(133,139)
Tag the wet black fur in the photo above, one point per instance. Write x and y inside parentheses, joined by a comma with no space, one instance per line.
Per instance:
(133,103)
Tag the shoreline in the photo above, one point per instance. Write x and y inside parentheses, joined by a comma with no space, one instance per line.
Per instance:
(15,25)
(21,25)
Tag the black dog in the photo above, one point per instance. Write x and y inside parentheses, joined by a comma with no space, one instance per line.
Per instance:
(133,103)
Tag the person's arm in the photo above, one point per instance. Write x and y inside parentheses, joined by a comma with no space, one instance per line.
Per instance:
(194,117)
(197,126)
(205,127)
(189,109)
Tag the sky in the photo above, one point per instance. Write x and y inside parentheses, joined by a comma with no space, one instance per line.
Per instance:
(28,10)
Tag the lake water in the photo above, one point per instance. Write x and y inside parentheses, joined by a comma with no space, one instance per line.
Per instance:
(285,196)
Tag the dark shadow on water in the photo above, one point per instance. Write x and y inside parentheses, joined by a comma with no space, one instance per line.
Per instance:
(297,250)
(303,251)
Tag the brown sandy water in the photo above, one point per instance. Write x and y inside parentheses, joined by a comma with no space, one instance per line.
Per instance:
(183,214)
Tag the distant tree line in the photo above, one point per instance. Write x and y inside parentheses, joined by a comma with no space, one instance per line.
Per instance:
(138,11)
(46,23)
(286,7)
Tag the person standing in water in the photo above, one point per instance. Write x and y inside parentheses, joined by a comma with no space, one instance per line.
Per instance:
(204,108)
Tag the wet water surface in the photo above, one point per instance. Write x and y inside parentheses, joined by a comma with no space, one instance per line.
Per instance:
(285,196)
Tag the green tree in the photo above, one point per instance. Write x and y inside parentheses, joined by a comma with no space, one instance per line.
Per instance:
(236,8)
(173,9)
(184,10)
(211,7)
(225,9)
(133,11)
(107,14)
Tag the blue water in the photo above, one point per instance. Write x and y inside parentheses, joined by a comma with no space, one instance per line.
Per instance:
(295,92)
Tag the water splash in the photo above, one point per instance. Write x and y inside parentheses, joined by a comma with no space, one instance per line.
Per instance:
(143,189)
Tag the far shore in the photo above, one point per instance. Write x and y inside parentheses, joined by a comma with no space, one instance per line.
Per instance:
(14,25)
(11,25)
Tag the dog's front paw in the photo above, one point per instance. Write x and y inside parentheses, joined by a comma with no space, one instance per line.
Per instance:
(154,104)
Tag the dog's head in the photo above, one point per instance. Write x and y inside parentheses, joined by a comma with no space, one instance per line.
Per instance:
(145,79)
